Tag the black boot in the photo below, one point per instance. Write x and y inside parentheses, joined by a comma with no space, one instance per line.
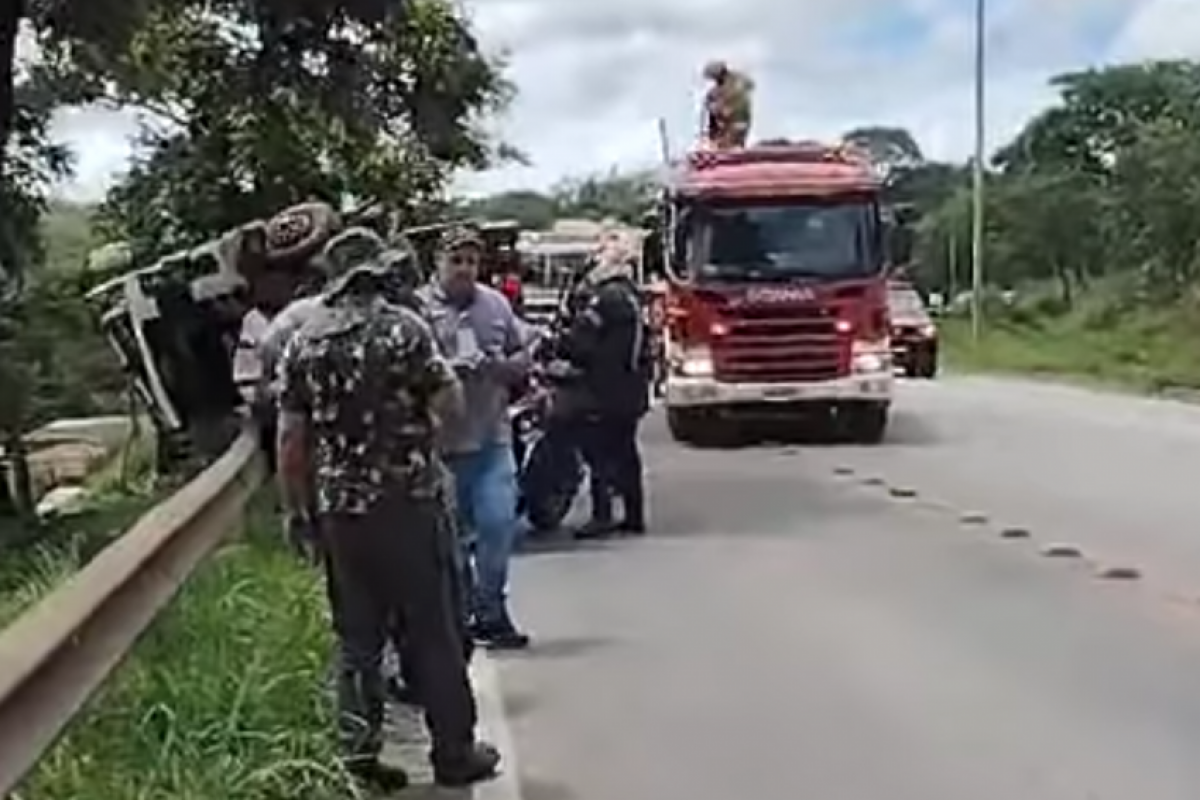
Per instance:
(375,775)
(632,526)
(501,634)
(595,529)
(479,763)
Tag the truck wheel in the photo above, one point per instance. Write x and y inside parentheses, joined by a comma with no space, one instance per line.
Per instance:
(686,425)
(866,423)
(698,427)
(928,365)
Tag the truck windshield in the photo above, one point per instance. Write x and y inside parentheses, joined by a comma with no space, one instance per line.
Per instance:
(813,239)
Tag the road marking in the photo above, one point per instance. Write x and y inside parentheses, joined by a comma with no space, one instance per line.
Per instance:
(1014,533)
(493,723)
(1062,551)
(1119,573)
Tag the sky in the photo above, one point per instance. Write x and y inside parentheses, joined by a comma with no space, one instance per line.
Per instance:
(593,78)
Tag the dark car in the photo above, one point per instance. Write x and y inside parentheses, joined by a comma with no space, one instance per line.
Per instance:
(914,335)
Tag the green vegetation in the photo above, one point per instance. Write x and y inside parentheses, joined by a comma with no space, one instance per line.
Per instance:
(36,556)
(250,107)
(1096,341)
(222,698)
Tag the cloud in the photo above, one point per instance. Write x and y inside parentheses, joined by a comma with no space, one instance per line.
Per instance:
(595,77)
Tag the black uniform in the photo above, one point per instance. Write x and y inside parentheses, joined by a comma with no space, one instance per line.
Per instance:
(361,373)
(608,344)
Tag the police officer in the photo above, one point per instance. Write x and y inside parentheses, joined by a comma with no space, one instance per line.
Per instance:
(606,342)
(361,387)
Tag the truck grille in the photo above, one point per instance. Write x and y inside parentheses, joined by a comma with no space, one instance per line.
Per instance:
(775,345)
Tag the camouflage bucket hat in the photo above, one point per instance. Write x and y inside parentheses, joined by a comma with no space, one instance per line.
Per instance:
(353,253)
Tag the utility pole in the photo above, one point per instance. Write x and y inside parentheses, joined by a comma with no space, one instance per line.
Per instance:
(978,172)
(951,267)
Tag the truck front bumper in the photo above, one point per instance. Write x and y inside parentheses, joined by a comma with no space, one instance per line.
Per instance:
(876,387)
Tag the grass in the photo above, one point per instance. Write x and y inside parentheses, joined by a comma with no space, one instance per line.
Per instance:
(221,700)
(35,557)
(1104,339)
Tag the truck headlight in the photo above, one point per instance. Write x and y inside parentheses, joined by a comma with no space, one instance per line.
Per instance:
(871,362)
(696,367)
(693,362)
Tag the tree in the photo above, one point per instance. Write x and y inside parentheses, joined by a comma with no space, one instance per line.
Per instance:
(262,105)
(1102,112)
(532,210)
(892,150)
(616,195)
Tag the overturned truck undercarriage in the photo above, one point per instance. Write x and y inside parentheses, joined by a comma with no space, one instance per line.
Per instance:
(176,325)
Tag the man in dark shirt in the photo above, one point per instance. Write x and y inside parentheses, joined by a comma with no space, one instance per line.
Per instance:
(607,343)
(361,390)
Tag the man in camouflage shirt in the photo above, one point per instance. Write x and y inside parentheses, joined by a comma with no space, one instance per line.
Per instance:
(361,389)
(727,106)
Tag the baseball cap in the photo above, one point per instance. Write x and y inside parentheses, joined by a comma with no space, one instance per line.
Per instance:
(458,236)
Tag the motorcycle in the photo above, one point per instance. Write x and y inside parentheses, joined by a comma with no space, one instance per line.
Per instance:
(550,468)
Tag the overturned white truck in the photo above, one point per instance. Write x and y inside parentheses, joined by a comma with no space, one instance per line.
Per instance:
(174,325)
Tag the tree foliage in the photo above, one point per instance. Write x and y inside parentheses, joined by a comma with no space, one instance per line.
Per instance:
(1105,182)
(259,105)
(249,106)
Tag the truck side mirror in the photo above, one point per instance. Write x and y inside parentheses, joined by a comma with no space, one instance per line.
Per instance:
(899,245)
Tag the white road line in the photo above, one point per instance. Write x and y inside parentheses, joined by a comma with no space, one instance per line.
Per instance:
(494,727)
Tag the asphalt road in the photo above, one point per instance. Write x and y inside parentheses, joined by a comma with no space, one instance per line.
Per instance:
(792,629)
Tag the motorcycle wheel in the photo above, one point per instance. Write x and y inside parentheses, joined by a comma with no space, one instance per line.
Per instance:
(549,487)
(546,514)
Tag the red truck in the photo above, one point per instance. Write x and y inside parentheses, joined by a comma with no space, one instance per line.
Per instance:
(776,302)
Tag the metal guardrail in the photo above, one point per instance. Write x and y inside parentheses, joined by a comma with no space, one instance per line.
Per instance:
(56,656)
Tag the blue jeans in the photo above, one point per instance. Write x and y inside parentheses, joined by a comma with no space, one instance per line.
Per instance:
(486,485)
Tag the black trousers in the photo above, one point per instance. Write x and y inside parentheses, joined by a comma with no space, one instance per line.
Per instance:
(390,568)
(609,444)
(267,421)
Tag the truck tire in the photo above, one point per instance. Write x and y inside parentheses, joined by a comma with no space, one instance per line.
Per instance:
(698,427)
(866,423)
(686,425)
(927,366)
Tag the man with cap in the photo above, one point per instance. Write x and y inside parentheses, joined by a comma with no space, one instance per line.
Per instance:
(361,391)
(479,332)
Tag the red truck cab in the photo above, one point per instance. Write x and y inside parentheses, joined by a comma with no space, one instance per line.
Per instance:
(777,291)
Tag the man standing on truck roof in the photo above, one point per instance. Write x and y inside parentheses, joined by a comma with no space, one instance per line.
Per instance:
(727,106)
